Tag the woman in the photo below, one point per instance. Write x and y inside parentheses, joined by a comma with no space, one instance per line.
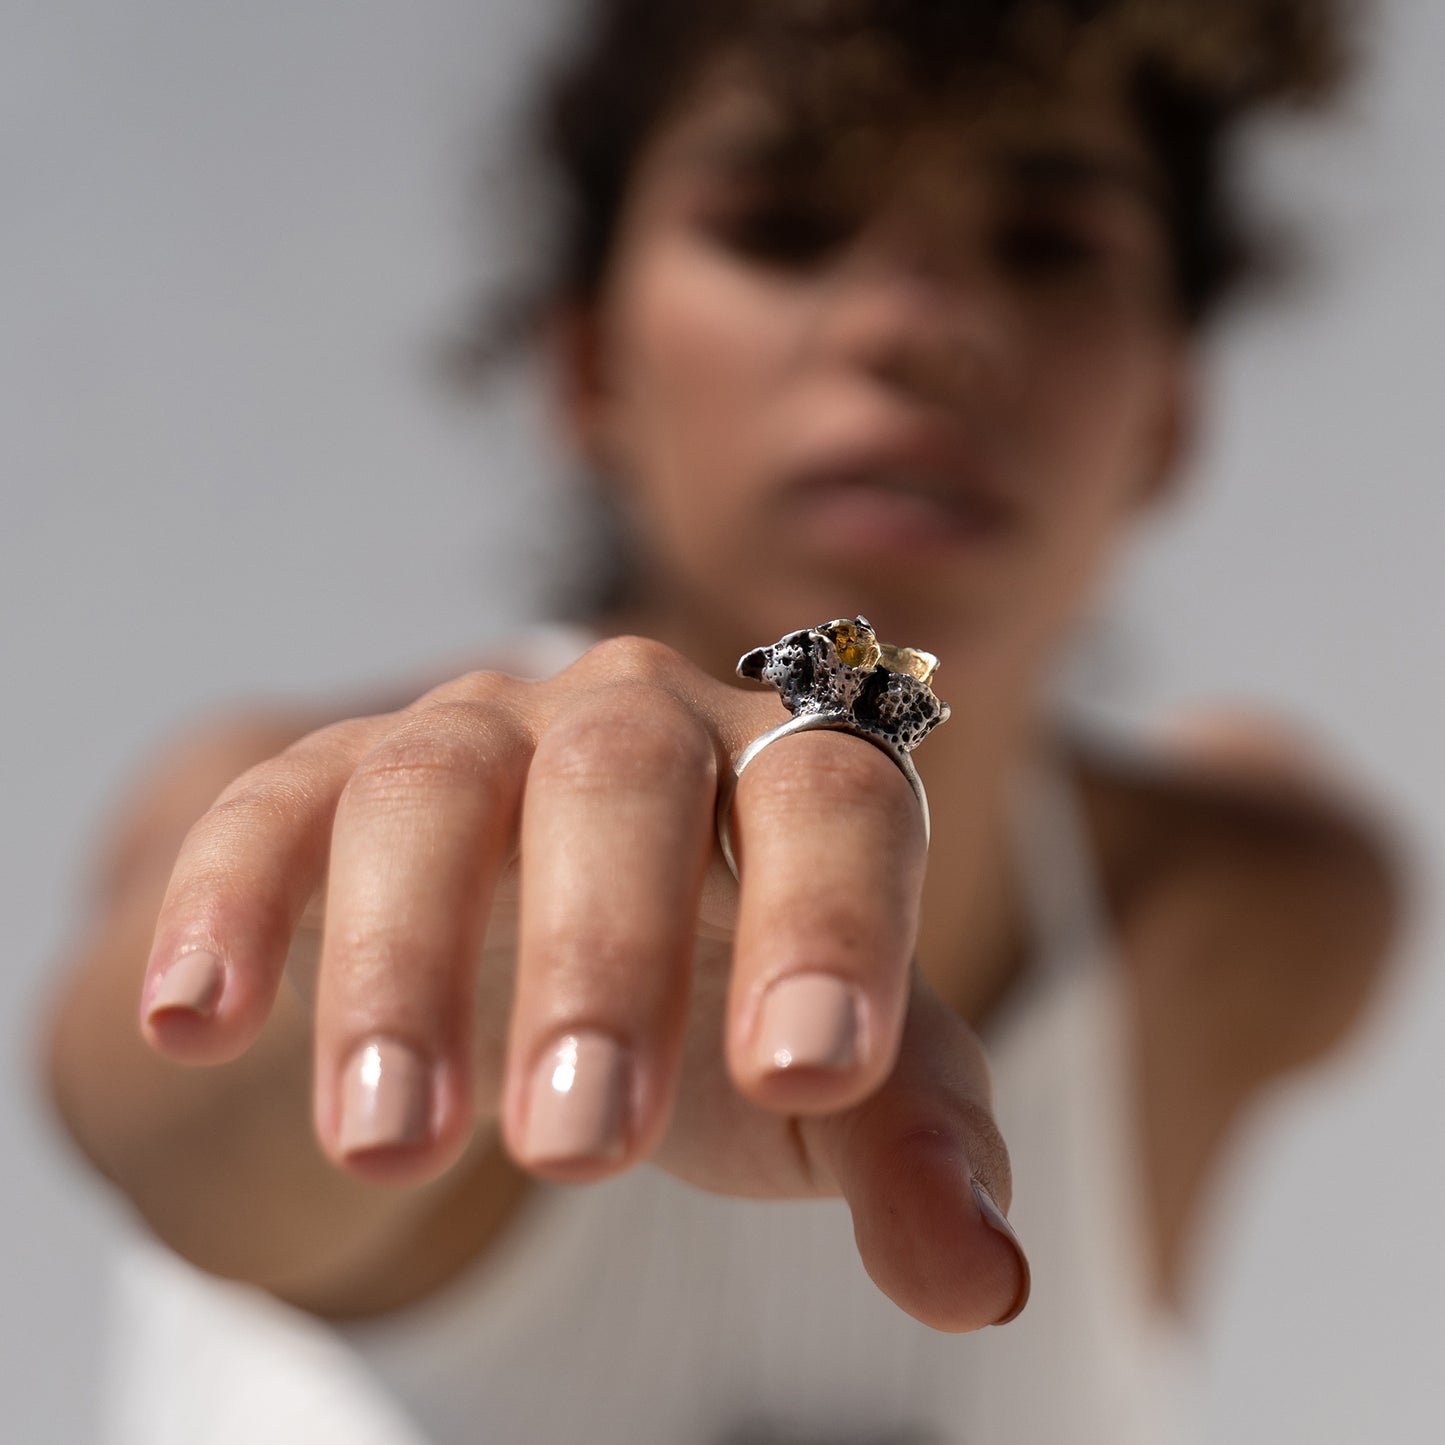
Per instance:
(883,309)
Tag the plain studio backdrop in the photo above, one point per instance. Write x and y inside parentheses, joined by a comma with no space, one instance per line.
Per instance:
(232,234)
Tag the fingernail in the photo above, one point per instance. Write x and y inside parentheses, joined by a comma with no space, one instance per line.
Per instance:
(577,1108)
(386,1098)
(994,1217)
(193,982)
(808,1021)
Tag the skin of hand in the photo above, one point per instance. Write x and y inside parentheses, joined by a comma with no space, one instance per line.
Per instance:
(525,917)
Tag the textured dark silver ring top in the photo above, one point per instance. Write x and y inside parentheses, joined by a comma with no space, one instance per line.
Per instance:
(839,676)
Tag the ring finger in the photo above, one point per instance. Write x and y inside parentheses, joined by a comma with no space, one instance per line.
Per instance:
(423,828)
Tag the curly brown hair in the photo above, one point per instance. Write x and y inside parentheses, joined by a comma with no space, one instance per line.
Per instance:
(1189,72)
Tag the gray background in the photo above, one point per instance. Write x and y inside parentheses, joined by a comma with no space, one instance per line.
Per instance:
(231,235)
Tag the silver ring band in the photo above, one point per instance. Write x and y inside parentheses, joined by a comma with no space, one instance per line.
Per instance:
(801,723)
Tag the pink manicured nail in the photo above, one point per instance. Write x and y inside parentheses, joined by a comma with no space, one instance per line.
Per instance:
(578,1103)
(995,1218)
(193,982)
(386,1098)
(808,1021)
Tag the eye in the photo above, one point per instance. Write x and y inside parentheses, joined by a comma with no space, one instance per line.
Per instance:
(1035,249)
(790,233)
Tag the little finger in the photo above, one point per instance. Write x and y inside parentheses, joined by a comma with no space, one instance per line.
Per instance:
(243,877)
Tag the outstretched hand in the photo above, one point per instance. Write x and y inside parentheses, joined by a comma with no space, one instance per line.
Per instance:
(523,915)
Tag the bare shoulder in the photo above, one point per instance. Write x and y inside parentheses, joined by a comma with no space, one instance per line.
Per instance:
(1259,884)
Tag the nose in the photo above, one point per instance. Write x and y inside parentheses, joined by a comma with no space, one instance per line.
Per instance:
(914,306)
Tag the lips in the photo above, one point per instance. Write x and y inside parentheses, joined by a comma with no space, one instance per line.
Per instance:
(917,493)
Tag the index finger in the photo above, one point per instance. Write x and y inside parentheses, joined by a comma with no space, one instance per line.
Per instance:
(832,849)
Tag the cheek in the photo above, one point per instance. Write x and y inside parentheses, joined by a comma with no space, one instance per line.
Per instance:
(700,353)
(1093,398)
(701,357)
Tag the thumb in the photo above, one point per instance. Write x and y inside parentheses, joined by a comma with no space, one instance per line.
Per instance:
(926,1173)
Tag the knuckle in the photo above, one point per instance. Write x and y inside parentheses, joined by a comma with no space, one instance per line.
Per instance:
(415,762)
(439,744)
(337,739)
(477,733)
(452,722)
(637,737)
(270,794)
(480,690)
(221,867)
(632,657)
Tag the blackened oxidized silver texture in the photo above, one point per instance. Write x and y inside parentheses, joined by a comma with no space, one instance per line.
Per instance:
(839,676)
(882,691)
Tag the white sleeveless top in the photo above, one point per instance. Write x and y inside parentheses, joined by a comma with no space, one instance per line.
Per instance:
(644,1310)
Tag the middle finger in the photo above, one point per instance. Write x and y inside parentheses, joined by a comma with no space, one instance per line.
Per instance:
(422,831)
(616,838)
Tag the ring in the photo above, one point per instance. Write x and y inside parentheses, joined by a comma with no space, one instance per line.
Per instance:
(840,677)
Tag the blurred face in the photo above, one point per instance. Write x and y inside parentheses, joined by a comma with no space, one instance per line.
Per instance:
(938,402)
